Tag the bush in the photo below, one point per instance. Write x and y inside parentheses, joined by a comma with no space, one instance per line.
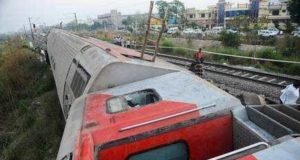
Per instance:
(292,69)
(181,52)
(269,54)
(167,43)
(289,45)
(251,38)
(267,40)
(19,73)
(31,118)
(230,39)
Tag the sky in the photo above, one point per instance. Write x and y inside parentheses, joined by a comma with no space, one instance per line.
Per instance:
(14,13)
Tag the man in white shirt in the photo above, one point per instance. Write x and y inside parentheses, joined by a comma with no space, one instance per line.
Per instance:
(290,94)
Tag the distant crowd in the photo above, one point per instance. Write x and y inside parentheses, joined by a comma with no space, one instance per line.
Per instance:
(128,43)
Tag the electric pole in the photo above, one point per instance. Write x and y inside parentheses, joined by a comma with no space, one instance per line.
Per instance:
(60,25)
(31,29)
(76,22)
(25,31)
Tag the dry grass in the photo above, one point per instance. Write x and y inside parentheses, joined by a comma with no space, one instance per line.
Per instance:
(31,121)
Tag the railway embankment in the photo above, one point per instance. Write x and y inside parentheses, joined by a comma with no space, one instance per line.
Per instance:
(31,122)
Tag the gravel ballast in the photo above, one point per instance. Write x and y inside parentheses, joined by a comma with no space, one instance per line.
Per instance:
(237,86)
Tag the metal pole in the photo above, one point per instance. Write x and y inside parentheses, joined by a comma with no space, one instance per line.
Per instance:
(25,31)
(76,22)
(60,25)
(32,36)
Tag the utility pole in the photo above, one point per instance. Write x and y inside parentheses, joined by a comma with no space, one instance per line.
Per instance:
(76,22)
(29,19)
(60,25)
(25,31)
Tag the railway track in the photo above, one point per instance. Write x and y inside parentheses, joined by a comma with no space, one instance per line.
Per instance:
(247,74)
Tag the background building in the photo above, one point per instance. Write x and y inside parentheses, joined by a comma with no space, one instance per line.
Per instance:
(236,11)
(239,10)
(223,12)
(254,9)
(205,18)
(274,12)
(112,20)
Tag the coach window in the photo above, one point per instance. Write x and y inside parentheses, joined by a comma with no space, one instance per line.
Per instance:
(79,81)
(175,151)
(132,100)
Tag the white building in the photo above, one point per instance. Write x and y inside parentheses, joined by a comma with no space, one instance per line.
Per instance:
(274,11)
(112,20)
(205,18)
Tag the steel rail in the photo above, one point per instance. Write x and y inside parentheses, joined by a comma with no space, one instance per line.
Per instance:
(261,77)
(234,56)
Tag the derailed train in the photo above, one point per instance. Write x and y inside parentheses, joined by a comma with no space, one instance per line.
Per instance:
(118,106)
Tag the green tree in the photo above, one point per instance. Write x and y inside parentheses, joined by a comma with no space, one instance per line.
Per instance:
(240,23)
(70,26)
(128,21)
(176,9)
(230,39)
(134,22)
(289,27)
(294,9)
(161,7)
(193,25)
(83,26)
(139,21)
(96,25)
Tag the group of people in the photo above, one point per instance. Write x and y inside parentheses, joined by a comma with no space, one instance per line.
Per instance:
(289,95)
(124,43)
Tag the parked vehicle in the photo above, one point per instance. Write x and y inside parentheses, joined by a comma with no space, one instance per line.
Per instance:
(296,30)
(266,33)
(188,31)
(297,34)
(231,31)
(217,29)
(198,31)
(275,31)
(173,30)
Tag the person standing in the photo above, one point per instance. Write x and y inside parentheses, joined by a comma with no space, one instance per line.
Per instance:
(290,94)
(128,43)
(198,56)
(134,44)
(122,42)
